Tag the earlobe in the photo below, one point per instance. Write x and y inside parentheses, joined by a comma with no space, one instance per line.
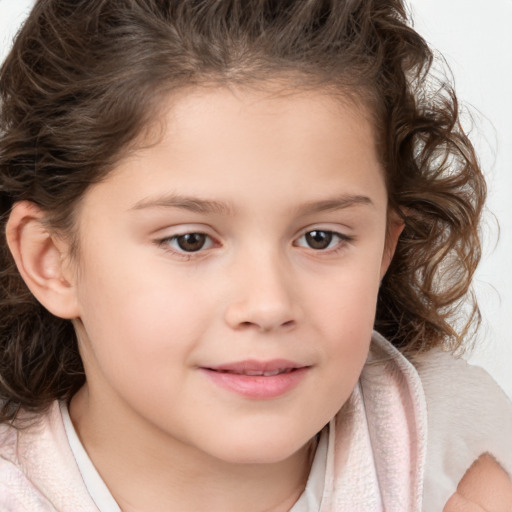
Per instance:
(41,259)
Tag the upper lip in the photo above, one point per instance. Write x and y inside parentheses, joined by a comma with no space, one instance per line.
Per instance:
(255,367)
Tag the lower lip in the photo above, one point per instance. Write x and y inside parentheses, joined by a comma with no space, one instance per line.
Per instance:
(258,387)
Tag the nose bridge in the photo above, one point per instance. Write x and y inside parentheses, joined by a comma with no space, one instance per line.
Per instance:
(262,291)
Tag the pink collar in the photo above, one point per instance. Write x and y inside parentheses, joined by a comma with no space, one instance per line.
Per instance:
(377,444)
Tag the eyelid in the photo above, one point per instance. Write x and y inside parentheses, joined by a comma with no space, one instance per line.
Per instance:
(343,239)
(337,229)
(164,240)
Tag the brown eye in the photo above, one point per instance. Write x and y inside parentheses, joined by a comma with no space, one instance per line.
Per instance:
(191,242)
(319,239)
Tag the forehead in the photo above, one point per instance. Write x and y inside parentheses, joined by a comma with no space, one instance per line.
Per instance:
(267,141)
(273,107)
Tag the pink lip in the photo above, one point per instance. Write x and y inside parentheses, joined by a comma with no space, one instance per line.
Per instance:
(259,380)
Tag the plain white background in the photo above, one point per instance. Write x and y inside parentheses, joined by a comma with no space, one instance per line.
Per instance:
(476,41)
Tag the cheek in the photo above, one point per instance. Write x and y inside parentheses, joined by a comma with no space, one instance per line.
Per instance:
(139,318)
(142,318)
(344,317)
(346,303)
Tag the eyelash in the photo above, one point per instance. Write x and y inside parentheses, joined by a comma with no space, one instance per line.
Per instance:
(332,235)
(166,242)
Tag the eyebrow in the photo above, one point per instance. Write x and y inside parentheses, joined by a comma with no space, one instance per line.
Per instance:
(193,204)
(336,203)
(206,206)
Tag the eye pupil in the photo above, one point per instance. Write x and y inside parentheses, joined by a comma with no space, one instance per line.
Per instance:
(191,242)
(319,239)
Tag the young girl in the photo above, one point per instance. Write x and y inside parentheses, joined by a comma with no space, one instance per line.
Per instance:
(209,205)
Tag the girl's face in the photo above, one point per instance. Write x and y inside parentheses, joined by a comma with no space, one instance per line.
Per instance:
(228,274)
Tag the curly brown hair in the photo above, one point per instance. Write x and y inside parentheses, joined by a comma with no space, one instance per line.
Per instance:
(85,77)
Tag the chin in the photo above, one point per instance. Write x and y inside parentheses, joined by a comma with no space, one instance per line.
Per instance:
(261,451)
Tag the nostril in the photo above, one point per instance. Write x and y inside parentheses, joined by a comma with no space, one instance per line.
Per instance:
(261,314)
(247,325)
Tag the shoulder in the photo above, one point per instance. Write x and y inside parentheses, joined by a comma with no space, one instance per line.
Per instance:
(466,404)
(17,492)
(468,415)
(457,393)
(38,472)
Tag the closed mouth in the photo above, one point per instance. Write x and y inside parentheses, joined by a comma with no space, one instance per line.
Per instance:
(258,380)
(256,373)
(253,368)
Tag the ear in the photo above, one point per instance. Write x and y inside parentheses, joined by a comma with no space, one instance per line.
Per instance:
(393,231)
(42,259)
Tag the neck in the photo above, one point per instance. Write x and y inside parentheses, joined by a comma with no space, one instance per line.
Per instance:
(147,470)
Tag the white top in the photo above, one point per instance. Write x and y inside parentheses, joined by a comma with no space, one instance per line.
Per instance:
(95,485)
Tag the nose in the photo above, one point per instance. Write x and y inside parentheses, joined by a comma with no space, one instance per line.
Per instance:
(263,296)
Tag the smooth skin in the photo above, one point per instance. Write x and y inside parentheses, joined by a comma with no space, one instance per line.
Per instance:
(254,225)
